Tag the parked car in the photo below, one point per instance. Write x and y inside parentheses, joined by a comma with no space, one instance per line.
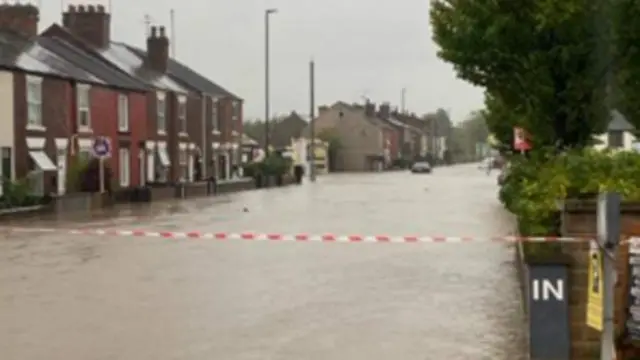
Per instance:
(421,167)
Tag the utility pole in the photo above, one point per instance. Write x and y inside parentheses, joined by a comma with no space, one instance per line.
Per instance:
(608,240)
(403,99)
(312,130)
(172,15)
(267,14)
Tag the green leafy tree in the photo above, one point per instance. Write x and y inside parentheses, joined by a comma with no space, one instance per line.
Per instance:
(627,29)
(535,60)
(466,135)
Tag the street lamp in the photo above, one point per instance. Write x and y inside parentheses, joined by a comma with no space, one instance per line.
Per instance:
(267,13)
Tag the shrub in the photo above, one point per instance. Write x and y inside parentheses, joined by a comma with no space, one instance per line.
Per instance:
(535,184)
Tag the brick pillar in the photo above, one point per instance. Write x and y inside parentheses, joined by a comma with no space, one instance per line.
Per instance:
(580,219)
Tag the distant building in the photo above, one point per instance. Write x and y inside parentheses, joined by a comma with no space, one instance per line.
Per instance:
(366,142)
(619,134)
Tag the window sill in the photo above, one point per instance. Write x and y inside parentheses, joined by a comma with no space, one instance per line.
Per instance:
(162,132)
(216,132)
(183,134)
(85,130)
(33,127)
(124,130)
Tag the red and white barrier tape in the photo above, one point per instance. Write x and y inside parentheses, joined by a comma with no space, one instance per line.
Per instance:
(289,237)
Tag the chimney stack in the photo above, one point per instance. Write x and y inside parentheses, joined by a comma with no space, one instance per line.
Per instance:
(385,110)
(20,18)
(158,49)
(91,23)
(370,109)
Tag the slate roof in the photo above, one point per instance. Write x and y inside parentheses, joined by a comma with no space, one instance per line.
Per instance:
(29,55)
(619,122)
(119,56)
(189,76)
(76,56)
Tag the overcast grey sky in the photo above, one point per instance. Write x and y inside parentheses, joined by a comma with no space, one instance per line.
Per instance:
(361,47)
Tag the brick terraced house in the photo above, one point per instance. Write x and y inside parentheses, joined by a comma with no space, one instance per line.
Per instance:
(72,85)
(59,101)
(195,126)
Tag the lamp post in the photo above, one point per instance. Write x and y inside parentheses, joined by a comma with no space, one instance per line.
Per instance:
(267,14)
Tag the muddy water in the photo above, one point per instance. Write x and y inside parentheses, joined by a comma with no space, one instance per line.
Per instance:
(66,297)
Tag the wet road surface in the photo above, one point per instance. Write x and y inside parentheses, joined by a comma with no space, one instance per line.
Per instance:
(103,298)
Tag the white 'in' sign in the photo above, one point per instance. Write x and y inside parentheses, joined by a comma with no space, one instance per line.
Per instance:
(547,289)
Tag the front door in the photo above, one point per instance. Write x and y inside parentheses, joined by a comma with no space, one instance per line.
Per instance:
(142,167)
(222,166)
(7,168)
(61,161)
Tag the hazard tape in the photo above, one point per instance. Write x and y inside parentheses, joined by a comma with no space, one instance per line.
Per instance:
(290,237)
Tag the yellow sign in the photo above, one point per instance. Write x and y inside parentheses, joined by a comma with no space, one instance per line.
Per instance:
(595,289)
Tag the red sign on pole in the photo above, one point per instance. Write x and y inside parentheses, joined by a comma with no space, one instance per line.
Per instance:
(520,141)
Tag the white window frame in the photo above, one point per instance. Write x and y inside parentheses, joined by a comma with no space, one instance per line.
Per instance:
(183,157)
(182,114)
(215,118)
(35,178)
(34,103)
(83,92)
(124,162)
(161,113)
(236,107)
(123,112)
(142,166)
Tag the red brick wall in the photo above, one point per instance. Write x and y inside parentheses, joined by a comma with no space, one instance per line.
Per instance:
(104,121)
(138,124)
(580,220)
(56,97)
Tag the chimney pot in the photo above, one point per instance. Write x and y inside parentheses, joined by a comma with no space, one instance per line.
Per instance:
(90,23)
(370,109)
(100,9)
(20,18)
(158,50)
(385,110)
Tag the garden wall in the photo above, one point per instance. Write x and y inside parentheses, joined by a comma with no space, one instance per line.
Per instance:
(579,220)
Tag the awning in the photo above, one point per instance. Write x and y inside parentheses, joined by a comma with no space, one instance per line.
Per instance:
(164,157)
(42,160)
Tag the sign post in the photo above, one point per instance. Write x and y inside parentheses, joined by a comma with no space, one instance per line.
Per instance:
(520,141)
(102,149)
(548,300)
(608,239)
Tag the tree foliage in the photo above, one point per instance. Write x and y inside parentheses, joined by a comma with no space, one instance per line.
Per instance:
(627,27)
(466,135)
(540,62)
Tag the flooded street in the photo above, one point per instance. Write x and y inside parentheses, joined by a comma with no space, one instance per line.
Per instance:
(66,297)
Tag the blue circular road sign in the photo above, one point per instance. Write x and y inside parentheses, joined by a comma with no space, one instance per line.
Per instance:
(101,147)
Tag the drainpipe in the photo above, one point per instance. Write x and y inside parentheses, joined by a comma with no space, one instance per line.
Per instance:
(203,155)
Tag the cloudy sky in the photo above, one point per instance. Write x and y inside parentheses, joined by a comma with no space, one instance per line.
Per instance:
(361,48)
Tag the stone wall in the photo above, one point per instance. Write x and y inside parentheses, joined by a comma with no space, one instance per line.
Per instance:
(229,186)
(580,219)
(197,189)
